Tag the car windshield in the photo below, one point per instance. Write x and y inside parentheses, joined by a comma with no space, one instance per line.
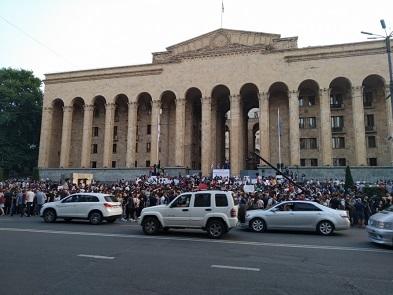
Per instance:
(389,209)
(110,199)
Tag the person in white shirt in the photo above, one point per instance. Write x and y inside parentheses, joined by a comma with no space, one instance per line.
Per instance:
(29,202)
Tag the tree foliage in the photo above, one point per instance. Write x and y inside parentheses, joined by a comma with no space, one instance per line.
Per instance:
(20,120)
(349,184)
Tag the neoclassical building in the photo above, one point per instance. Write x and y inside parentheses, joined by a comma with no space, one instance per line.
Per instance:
(211,100)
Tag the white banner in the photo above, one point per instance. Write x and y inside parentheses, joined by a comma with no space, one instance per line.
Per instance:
(221,172)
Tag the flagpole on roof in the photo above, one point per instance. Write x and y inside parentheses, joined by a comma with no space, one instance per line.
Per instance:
(222,10)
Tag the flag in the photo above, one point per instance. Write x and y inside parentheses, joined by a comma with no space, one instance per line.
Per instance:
(222,6)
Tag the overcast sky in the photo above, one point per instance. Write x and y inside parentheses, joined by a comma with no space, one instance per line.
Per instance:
(83,34)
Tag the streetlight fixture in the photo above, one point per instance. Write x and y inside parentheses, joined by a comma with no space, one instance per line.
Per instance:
(388,51)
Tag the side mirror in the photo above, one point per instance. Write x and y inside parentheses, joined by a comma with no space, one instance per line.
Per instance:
(275,209)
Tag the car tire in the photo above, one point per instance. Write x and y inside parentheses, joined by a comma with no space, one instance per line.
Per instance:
(215,229)
(150,226)
(95,217)
(258,225)
(67,219)
(111,220)
(325,228)
(49,216)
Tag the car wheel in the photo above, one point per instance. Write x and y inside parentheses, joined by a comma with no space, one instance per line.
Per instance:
(49,216)
(150,226)
(95,218)
(67,219)
(258,225)
(215,229)
(325,228)
(111,220)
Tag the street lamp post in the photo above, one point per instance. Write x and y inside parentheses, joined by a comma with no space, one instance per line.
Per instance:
(388,51)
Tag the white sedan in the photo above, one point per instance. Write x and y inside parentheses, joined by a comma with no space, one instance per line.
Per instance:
(94,207)
(298,215)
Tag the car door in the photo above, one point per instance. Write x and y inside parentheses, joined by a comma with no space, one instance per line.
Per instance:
(85,205)
(280,216)
(177,214)
(67,206)
(200,206)
(306,215)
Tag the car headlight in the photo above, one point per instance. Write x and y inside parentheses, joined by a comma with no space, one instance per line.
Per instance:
(384,225)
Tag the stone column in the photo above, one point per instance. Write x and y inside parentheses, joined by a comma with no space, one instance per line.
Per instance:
(46,132)
(264,142)
(108,136)
(155,114)
(388,107)
(206,136)
(326,128)
(214,133)
(86,136)
(66,137)
(180,131)
(358,126)
(131,134)
(235,138)
(294,142)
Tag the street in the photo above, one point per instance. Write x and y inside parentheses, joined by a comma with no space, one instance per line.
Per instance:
(78,258)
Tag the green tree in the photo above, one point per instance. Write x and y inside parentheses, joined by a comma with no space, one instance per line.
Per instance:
(348,179)
(20,120)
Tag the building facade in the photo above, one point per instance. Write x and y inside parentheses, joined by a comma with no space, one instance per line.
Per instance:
(212,100)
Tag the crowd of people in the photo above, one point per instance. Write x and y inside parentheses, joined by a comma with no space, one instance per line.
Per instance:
(26,197)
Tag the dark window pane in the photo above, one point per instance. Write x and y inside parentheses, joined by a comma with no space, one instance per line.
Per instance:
(202,200)
(221,200)
(305,207)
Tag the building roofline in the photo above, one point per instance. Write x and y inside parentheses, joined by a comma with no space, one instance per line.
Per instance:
(219,30)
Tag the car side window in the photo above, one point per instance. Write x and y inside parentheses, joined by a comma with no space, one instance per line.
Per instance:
(72,199)
(221,200)
(285,207)
(202,200)
(182,201)
(306,207)
(88,199)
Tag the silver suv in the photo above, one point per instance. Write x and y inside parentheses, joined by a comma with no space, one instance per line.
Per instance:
(212,211)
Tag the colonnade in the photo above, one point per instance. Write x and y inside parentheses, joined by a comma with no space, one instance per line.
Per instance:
(238,148)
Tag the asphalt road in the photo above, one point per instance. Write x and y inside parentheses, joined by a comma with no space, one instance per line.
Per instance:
(78,258)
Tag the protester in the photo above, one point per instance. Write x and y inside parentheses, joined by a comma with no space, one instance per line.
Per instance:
(145,191)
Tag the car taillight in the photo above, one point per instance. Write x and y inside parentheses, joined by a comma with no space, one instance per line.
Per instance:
(107,205)
(233,212)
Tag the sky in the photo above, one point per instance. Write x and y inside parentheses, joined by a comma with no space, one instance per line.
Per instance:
(48,36)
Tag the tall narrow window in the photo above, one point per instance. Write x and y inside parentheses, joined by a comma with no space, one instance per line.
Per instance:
(371,142)
(94,149)
(370,122)
(368,98)
(95,131)
(301,123)
(312,122)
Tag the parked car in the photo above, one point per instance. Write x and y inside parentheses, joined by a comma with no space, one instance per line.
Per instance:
(298,215)
(94,207)
(212,211)
(380,227)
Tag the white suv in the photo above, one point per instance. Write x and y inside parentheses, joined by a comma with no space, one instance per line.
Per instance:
(92,206)
(213,211)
